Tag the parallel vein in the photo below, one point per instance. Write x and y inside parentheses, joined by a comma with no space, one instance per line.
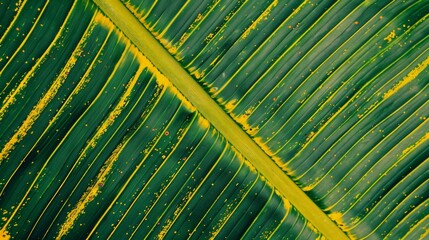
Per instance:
(160,57)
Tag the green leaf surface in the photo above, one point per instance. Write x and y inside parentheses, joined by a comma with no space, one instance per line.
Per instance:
(214,119)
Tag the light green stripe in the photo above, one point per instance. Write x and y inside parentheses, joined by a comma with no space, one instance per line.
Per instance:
(160,57)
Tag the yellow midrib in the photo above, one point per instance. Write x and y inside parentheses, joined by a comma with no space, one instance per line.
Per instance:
(187,85)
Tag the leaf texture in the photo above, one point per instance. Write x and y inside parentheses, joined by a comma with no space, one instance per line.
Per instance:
(334,91)
(98,141)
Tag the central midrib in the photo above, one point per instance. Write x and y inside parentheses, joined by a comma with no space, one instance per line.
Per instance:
(187,85)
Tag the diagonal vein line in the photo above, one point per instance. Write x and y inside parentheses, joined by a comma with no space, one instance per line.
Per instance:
(187,85)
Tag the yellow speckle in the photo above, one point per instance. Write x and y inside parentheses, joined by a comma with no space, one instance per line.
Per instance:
(261,17)
(41,105)
(410,76)
(419,142)
(176,214)
(90,194)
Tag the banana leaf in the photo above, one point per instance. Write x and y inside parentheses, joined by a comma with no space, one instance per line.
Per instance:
(131,119)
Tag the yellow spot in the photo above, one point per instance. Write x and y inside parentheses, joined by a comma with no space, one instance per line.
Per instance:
(191,28)
(391,36)
(296,11)
(407,79)
(224,218)
(213,63)
(209,37)
(263,16)
(199,17)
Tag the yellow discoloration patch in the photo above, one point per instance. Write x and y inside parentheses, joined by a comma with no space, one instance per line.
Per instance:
(94,190)
(425,234)
(286,202)
(262,17)
(270,153)
(90,194)
(168,45)
(311,226)
(337,217)
(415,227)
(225,216)
(391,36)
(248,164)
(198,74)
(81,83)
(308,187)
(407,79)
(12,96)
(4,235)
(229,106)
(174,71)
(242,120)
(209,37)
(321,237)
(123,102)
(310,135)
(204,123)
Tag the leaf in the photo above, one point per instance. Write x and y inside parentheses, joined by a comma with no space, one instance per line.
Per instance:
(254,120)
